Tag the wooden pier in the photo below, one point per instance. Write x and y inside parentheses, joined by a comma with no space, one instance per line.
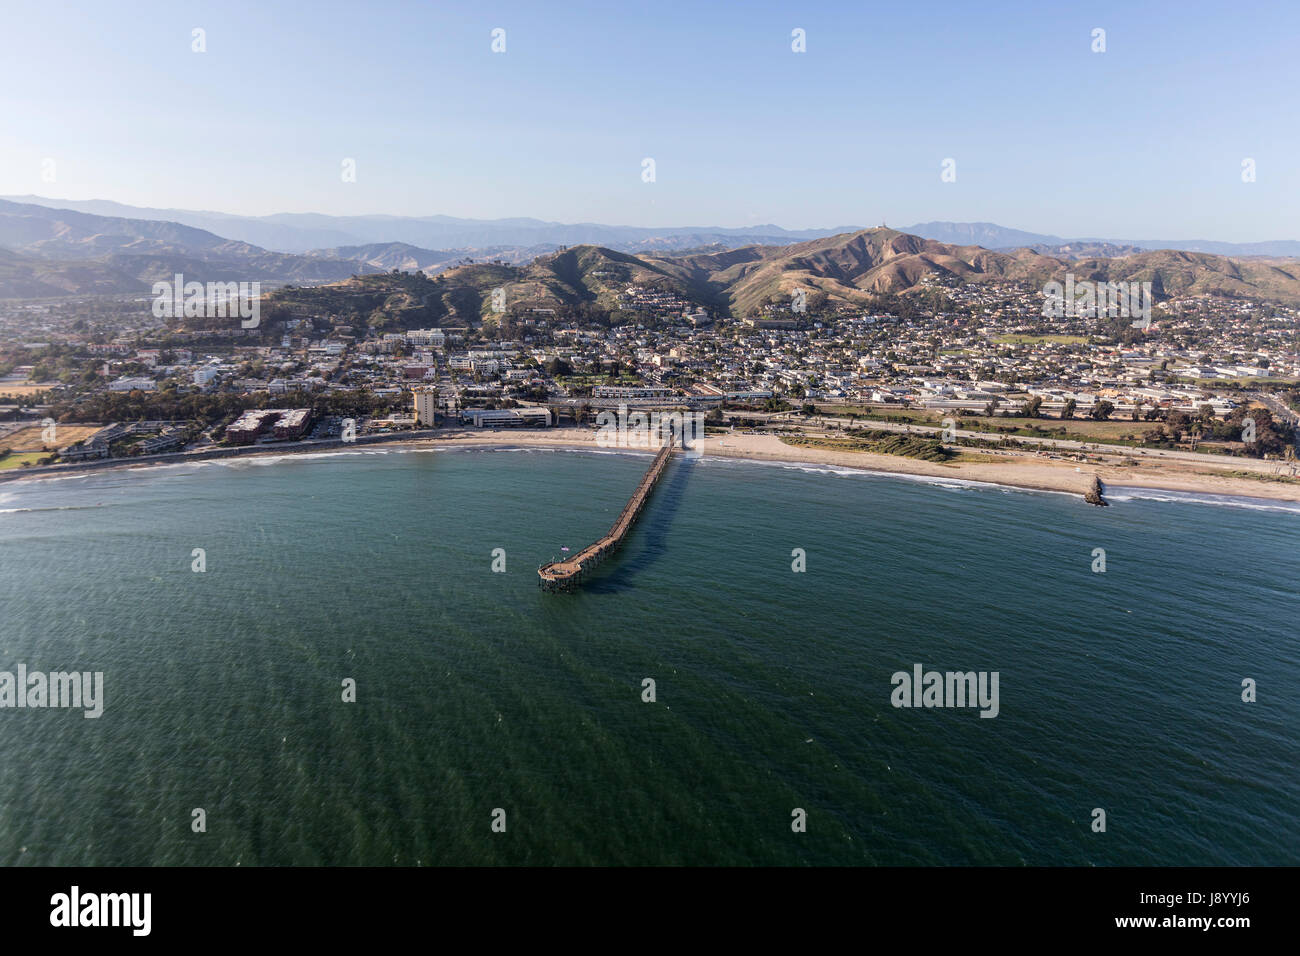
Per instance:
(568,575)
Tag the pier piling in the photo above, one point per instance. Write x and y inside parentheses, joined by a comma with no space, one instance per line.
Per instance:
(568,575)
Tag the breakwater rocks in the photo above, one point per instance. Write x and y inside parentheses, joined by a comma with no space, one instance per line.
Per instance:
(1094,493)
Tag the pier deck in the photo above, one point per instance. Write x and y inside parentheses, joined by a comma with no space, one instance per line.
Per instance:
(569,574)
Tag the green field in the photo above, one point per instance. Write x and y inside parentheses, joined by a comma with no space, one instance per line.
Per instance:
(914,415)
(1075,429)
(1079,429)
(1039,339)
(586,380)
(1236,382)
(16,459)
(1257,476)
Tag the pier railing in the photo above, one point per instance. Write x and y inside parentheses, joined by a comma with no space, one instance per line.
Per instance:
(566,575)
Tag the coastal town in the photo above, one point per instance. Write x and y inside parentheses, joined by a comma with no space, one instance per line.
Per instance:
(971,355)
(562,438)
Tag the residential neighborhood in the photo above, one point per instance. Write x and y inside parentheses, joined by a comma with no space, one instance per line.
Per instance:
(987,351)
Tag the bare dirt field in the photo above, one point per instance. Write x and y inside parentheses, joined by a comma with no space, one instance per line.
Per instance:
(22,389)
(29,438)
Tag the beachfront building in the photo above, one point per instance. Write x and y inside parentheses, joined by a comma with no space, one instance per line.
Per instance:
(426,405)
(507,417)
(254,423)
(84,451)
(247,427)
(293,424)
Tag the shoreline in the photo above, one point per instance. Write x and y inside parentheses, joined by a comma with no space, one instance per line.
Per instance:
(1026,472)
(1016,471)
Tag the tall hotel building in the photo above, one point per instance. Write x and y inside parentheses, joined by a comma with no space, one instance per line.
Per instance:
(426,404)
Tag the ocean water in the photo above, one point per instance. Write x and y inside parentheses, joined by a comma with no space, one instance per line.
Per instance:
(478,692)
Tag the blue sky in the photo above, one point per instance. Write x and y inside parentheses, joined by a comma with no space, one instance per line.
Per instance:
(1145,140)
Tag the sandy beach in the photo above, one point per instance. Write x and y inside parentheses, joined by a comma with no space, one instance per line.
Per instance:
(1015,469)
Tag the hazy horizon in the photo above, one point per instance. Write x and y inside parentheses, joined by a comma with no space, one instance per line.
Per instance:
(1144,139)
(680,227)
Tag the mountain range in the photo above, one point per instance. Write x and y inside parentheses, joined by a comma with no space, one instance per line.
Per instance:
(849,269)
(992,236)
(308,232)
(854,267)
(304,232)
(47,251)
(51,252)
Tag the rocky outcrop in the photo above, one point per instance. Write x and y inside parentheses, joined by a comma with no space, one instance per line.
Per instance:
(1094,493)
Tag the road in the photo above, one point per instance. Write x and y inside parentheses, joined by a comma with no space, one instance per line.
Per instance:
(1281,411)
(1059,444)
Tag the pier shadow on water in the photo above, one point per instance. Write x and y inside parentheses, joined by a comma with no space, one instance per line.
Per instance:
(648,540)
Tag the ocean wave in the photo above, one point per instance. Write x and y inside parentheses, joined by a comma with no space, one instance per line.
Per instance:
(29,478)
(127,468)
(19,511)
(1135,493)
(846,471)
(557,449)
(1113,494)
(261,461)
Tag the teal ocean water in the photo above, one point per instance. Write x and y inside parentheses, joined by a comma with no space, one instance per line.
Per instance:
(476,691)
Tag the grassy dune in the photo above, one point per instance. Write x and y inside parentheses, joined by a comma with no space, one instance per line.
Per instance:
(877,442)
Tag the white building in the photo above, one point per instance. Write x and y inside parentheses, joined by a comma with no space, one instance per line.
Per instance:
(127,384)
(426,405)
(434,337)
(507,417)
(637,391)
